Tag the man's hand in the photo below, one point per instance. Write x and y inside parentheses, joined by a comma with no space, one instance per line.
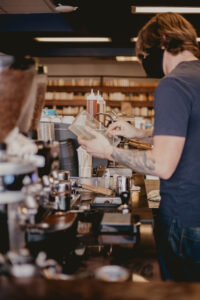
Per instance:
(123,128)
(99,146)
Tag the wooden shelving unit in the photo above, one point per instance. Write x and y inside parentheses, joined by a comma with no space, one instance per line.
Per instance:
(82,102)
(102,89)
(135,96)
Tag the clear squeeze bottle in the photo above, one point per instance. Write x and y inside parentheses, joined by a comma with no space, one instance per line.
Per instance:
(100,107)
(91,103)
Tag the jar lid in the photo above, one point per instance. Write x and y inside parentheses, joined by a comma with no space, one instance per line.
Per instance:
(91,96)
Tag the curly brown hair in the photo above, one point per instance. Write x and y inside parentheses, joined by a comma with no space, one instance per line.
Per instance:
(169,30)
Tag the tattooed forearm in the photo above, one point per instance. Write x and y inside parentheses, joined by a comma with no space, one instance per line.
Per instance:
(139,161)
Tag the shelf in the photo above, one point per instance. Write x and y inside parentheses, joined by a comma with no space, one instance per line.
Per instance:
(75,114)
(112,103)
(102,89)
(66,102)
(134,103)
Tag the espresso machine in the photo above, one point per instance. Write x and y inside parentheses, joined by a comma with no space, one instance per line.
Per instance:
(34,195)
(16,78)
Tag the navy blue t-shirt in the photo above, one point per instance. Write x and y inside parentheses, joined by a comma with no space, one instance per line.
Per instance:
(177,113)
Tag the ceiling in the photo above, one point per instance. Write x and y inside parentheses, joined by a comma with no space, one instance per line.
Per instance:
(23,20)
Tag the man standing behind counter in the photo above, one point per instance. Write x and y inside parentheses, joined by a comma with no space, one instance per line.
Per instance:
(167,46)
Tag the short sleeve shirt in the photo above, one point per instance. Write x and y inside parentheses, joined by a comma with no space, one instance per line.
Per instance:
(177,113)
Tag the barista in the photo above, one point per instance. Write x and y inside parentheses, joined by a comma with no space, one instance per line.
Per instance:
(167,47)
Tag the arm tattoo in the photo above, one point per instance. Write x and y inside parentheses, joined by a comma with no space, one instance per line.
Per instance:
(136,160)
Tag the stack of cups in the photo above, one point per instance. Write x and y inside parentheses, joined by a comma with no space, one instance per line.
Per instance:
(85,163)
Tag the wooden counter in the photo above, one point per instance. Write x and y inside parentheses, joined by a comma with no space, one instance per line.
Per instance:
(41,289)
(141,260)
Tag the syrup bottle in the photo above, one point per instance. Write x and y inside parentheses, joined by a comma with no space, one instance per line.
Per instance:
(91,103)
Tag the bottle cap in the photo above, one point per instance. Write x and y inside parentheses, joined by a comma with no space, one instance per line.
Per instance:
(100,98)
(91,96)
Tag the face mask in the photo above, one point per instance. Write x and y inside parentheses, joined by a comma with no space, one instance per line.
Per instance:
(153,63)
